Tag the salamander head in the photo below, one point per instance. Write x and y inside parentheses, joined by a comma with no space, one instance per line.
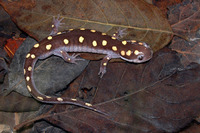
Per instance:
(137,52)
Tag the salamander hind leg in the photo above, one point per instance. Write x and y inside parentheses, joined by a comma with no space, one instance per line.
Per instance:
(104,63)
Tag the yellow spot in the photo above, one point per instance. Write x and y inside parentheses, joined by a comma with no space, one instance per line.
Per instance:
(82,28)
(49,37)
(52,25)
(133,41)
(29,68)
(59,33)
(113,37)
(93,30)
(28,55)
(24,71)
(29,88)
(27,78)
(104,64)
(48,47)
(122,52)
(94,43)
(48,97)
(66,41)
(88,104)
(103,34)
(140,43)
(60,99)
(108,58)
(104,42)
(81,39)
(128,53)
(32,56)
(136,52)
(40,98)
(69,59)
(124,42)
(36,45)
(114,48)
(71,29)
(73,99)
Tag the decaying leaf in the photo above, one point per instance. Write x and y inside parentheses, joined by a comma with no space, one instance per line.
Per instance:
(157,96)
(184,19)
(15,102)
(161,95)
(195,128)
(163,4)
(142,21)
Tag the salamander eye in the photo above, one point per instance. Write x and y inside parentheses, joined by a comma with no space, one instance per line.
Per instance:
(140,57)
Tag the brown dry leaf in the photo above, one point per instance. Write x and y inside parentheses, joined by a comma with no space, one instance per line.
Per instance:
(185,21)
(194,128)
(143,21)
(7,122)
(14,102)
(163,4)
(158,96)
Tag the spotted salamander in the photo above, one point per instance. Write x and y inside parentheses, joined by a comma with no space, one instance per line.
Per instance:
(81,40)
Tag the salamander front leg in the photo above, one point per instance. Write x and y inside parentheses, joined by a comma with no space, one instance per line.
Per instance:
(120,33)
(104,63)
(56,24)
(69,58)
